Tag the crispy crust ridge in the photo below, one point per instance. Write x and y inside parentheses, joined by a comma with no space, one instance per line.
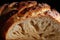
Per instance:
(34,10)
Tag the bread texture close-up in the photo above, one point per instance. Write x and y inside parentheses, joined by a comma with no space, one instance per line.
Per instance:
(31,21)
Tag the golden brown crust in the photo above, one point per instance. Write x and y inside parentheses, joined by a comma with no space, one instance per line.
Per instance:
(39,10)
(2,8)
(12,4)
(6,8)
(54,14)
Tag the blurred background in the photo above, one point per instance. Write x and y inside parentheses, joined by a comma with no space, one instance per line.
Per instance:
(54,3)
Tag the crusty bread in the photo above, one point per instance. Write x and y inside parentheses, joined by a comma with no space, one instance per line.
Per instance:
(6,8)
(33,22)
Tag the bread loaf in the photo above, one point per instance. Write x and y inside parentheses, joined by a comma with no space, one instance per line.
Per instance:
(33,21)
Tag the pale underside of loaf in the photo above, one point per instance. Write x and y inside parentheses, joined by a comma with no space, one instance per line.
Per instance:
(39,22)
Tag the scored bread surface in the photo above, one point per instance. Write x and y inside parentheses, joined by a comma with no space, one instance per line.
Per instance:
(33,21)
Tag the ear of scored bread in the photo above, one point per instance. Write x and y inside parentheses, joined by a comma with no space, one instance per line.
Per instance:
(28,10)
